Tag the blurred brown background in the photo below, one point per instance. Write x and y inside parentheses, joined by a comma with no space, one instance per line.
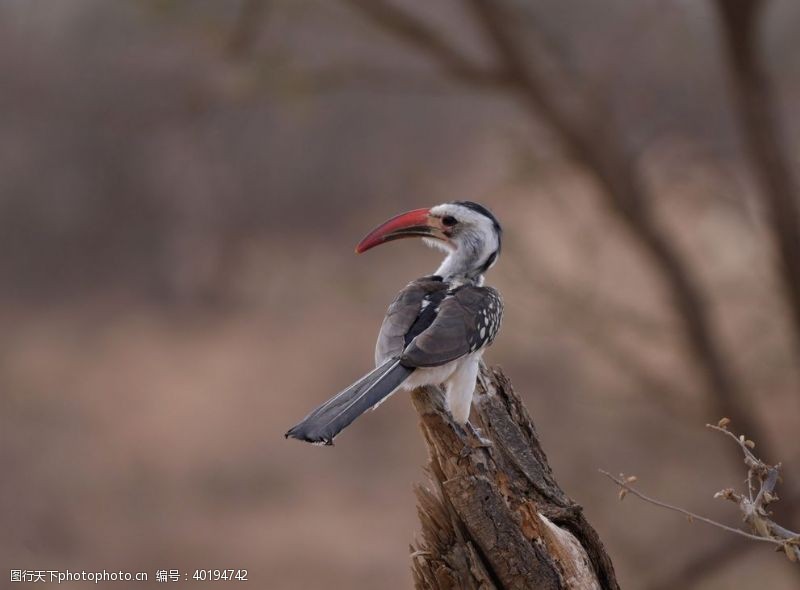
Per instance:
(181,187)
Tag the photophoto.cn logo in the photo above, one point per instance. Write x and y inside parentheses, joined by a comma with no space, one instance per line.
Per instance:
(39,576)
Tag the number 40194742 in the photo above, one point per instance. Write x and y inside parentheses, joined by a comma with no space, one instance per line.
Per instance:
(214,575)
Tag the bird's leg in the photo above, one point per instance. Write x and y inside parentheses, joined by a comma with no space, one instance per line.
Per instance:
(482,370)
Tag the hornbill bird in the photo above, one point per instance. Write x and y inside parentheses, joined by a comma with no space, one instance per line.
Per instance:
(438,326)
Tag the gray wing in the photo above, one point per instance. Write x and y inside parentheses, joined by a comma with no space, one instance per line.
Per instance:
(467,320)
(403,313)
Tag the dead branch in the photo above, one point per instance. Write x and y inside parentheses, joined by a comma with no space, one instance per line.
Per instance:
(753,503)
(495,517)
(595,329)
(249,21)
(740,22)
(415,32)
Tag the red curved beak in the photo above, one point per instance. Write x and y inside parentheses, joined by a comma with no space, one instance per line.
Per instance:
(406,225)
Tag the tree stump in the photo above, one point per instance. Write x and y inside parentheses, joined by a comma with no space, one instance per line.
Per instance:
(495,518)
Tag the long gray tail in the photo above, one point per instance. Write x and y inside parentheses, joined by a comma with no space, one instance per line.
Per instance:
(328,420)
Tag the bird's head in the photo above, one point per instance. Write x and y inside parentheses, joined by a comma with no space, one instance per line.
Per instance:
(468,232)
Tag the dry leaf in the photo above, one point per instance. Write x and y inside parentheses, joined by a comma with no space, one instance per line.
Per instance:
(622,493)
(761,528)
(723,423)
(790,552)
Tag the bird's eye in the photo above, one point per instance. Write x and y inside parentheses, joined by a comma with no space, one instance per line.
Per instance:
(449,220)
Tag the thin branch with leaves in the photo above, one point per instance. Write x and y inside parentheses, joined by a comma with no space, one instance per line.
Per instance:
(753,503)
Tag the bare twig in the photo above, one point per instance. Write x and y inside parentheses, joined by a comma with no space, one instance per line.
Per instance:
(755,509)
(691,515)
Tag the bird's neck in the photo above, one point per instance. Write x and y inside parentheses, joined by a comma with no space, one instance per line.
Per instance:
(461,280)
(468,262)
(455,271)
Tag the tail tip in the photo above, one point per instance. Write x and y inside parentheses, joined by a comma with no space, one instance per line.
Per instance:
(314,440)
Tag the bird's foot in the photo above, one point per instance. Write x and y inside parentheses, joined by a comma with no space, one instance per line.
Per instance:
(476,441)
(480,440)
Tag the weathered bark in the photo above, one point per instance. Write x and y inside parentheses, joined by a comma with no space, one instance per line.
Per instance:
(495,518)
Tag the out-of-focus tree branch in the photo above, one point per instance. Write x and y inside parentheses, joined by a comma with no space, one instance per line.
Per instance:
(591,140)
(379,79)
(418,34)
(585,126)
(249,21)
(593,143)
(740,21)
(600,331)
